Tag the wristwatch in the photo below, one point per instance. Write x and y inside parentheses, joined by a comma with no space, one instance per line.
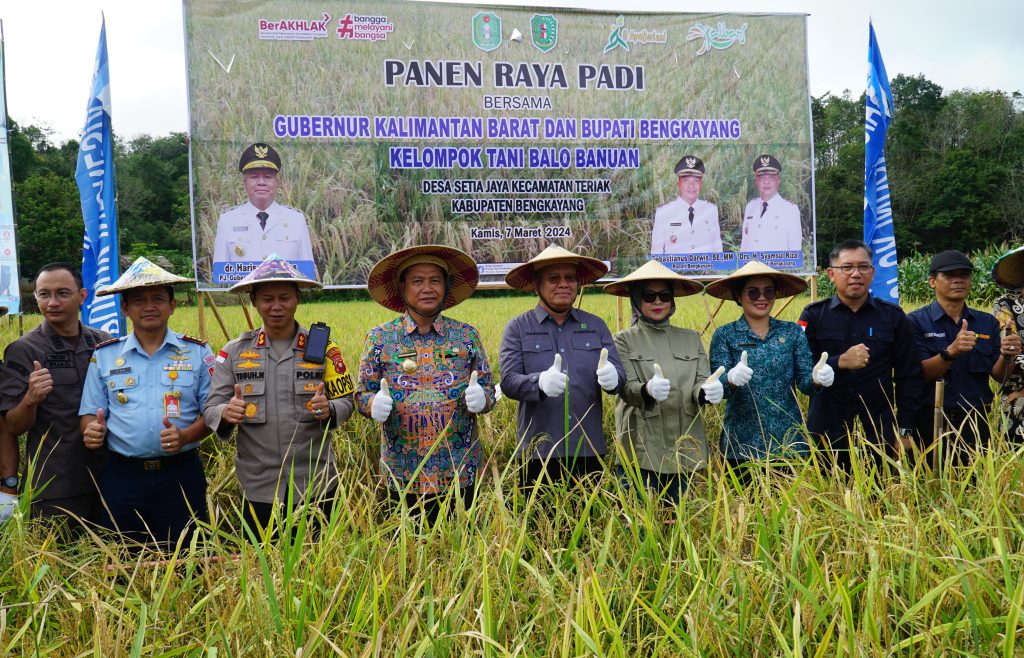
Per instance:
(946,356)
(11,482)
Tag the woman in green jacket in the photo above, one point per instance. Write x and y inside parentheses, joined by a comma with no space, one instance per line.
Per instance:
(656,417)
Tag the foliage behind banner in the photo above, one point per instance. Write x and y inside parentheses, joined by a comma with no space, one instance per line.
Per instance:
(408,123)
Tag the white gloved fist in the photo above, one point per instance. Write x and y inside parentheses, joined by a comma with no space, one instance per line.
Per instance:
(475,398)
(657,386)
(8,503)
(553,381)
(741,373)
(712,387)
(823,374)
(383,403)
(607,375)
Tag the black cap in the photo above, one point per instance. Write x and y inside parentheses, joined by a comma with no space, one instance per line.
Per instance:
(690,165)
(767,164)
(949,260)
(259,156)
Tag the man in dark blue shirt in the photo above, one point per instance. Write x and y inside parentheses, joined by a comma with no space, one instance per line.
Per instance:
(961,345)
(873,350)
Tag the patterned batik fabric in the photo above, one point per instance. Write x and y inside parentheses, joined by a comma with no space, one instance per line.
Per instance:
(1011,307)
(430,439)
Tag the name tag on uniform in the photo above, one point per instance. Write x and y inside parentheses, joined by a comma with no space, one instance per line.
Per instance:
(239,229)
(935,334)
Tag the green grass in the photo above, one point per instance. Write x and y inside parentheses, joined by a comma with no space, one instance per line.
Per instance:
(798,565)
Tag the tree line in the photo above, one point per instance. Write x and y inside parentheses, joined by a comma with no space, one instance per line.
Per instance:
(955,161)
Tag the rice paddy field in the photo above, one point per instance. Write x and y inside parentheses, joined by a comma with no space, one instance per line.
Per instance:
(913,562)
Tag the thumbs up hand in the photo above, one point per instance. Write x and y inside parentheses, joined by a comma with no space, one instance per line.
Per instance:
(320,406)
(657,386)
(964,342)
(170,437)
(741,373)
(234,411)
(475,398)
(380,407)
(823,374)
(40,383)
(607,376)
(712,387)
(552,382)
(95,431)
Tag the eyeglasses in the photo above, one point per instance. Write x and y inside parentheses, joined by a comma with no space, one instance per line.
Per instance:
(62,295)
(661,295)
(754,294)
(847,269)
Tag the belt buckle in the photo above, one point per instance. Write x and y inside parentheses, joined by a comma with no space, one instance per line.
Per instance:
(151,465)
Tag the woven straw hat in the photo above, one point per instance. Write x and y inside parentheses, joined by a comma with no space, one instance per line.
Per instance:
(141,274)
(383,280)
(274,270)
(786,285)
(588,270)
(652,270)
(1008,271)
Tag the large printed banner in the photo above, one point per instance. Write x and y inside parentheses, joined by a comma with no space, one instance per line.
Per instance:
(370,126)
(10,296)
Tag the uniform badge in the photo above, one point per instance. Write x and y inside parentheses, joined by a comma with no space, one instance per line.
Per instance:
(247,365)
(122,398)
(782,339)
(239,251)
(249,355)
(112,384)
(309,406)
(129,381)
(250,410)
(308,366)
(172,408)
(309,388)
(119,361)
(247,389)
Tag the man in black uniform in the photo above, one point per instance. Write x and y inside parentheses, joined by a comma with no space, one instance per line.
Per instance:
(872,347)
(41,387)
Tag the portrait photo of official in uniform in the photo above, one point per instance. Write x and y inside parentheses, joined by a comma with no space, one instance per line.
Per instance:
(770,222)
(687,224)
(249,233)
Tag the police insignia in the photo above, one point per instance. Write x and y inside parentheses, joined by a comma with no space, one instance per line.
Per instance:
(308,366)
(310,387)
(250,410)
(249,355)
(248,365)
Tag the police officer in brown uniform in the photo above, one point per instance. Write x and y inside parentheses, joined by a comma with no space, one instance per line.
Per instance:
(40,389)
(282,403)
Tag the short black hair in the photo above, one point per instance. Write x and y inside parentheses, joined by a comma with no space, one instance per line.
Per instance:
(848,245)
(58,265)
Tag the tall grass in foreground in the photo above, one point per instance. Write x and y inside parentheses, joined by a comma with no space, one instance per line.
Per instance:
(799,564)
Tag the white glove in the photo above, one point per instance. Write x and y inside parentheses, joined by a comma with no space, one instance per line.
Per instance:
(497,392)
(8,503)
(380,407)
(553,381)
(741,373)
(475,398)
(657,386)
(823,374)
(712,387)
(607,375)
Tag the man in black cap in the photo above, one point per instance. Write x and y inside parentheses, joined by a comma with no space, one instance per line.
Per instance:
(251,232)
(770,223)
(687,224)
(961,345)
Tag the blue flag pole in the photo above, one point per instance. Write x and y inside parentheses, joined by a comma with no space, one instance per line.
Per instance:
(878,227)
(95,177)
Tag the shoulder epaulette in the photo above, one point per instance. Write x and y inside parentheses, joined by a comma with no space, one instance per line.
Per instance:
(193,339)
(112,341)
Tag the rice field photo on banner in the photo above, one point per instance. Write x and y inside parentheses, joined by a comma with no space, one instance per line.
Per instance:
(334,134)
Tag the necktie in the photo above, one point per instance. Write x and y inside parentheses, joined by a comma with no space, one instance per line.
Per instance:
(764,208)
(691,215)
(263,219)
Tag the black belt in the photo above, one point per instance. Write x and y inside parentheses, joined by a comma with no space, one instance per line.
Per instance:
(153,464)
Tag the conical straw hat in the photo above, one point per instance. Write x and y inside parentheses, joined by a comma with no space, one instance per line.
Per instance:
(274,269)
(588,270)
(460,266)
(786,285)
(1008,271)
(652,270)
(141,274)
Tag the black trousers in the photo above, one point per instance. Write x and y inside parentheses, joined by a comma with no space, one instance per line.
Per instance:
(533,471)
(69,515)
(257,515)
(154,500)
(966,431)
(427,508)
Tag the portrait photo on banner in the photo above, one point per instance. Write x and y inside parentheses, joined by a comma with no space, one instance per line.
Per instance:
(334,137)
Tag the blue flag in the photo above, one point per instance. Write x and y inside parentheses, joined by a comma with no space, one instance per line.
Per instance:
(878,229)
(95,177)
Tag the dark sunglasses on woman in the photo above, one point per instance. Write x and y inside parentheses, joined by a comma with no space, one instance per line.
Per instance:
(662,295)
(754,294)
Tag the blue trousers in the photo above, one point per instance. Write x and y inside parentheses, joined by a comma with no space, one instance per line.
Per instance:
(155,500)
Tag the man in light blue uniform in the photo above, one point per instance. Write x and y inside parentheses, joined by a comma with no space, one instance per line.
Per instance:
(143,398)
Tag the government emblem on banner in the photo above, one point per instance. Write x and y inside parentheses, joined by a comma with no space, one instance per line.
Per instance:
(487,30)
(544,31)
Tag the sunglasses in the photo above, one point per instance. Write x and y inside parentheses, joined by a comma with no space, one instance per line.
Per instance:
(754,294)
(662,295)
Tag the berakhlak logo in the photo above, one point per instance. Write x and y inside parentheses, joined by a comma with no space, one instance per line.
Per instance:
(544,31)
(615,39)
(718,38)
(486,30)
(622,36)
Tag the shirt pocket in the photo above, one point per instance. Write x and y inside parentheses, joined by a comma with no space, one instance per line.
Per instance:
(305,389)
(982,357)
(123,391)
(586,352)
(538,353)
(832,340)
(685,374)
(180,379)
